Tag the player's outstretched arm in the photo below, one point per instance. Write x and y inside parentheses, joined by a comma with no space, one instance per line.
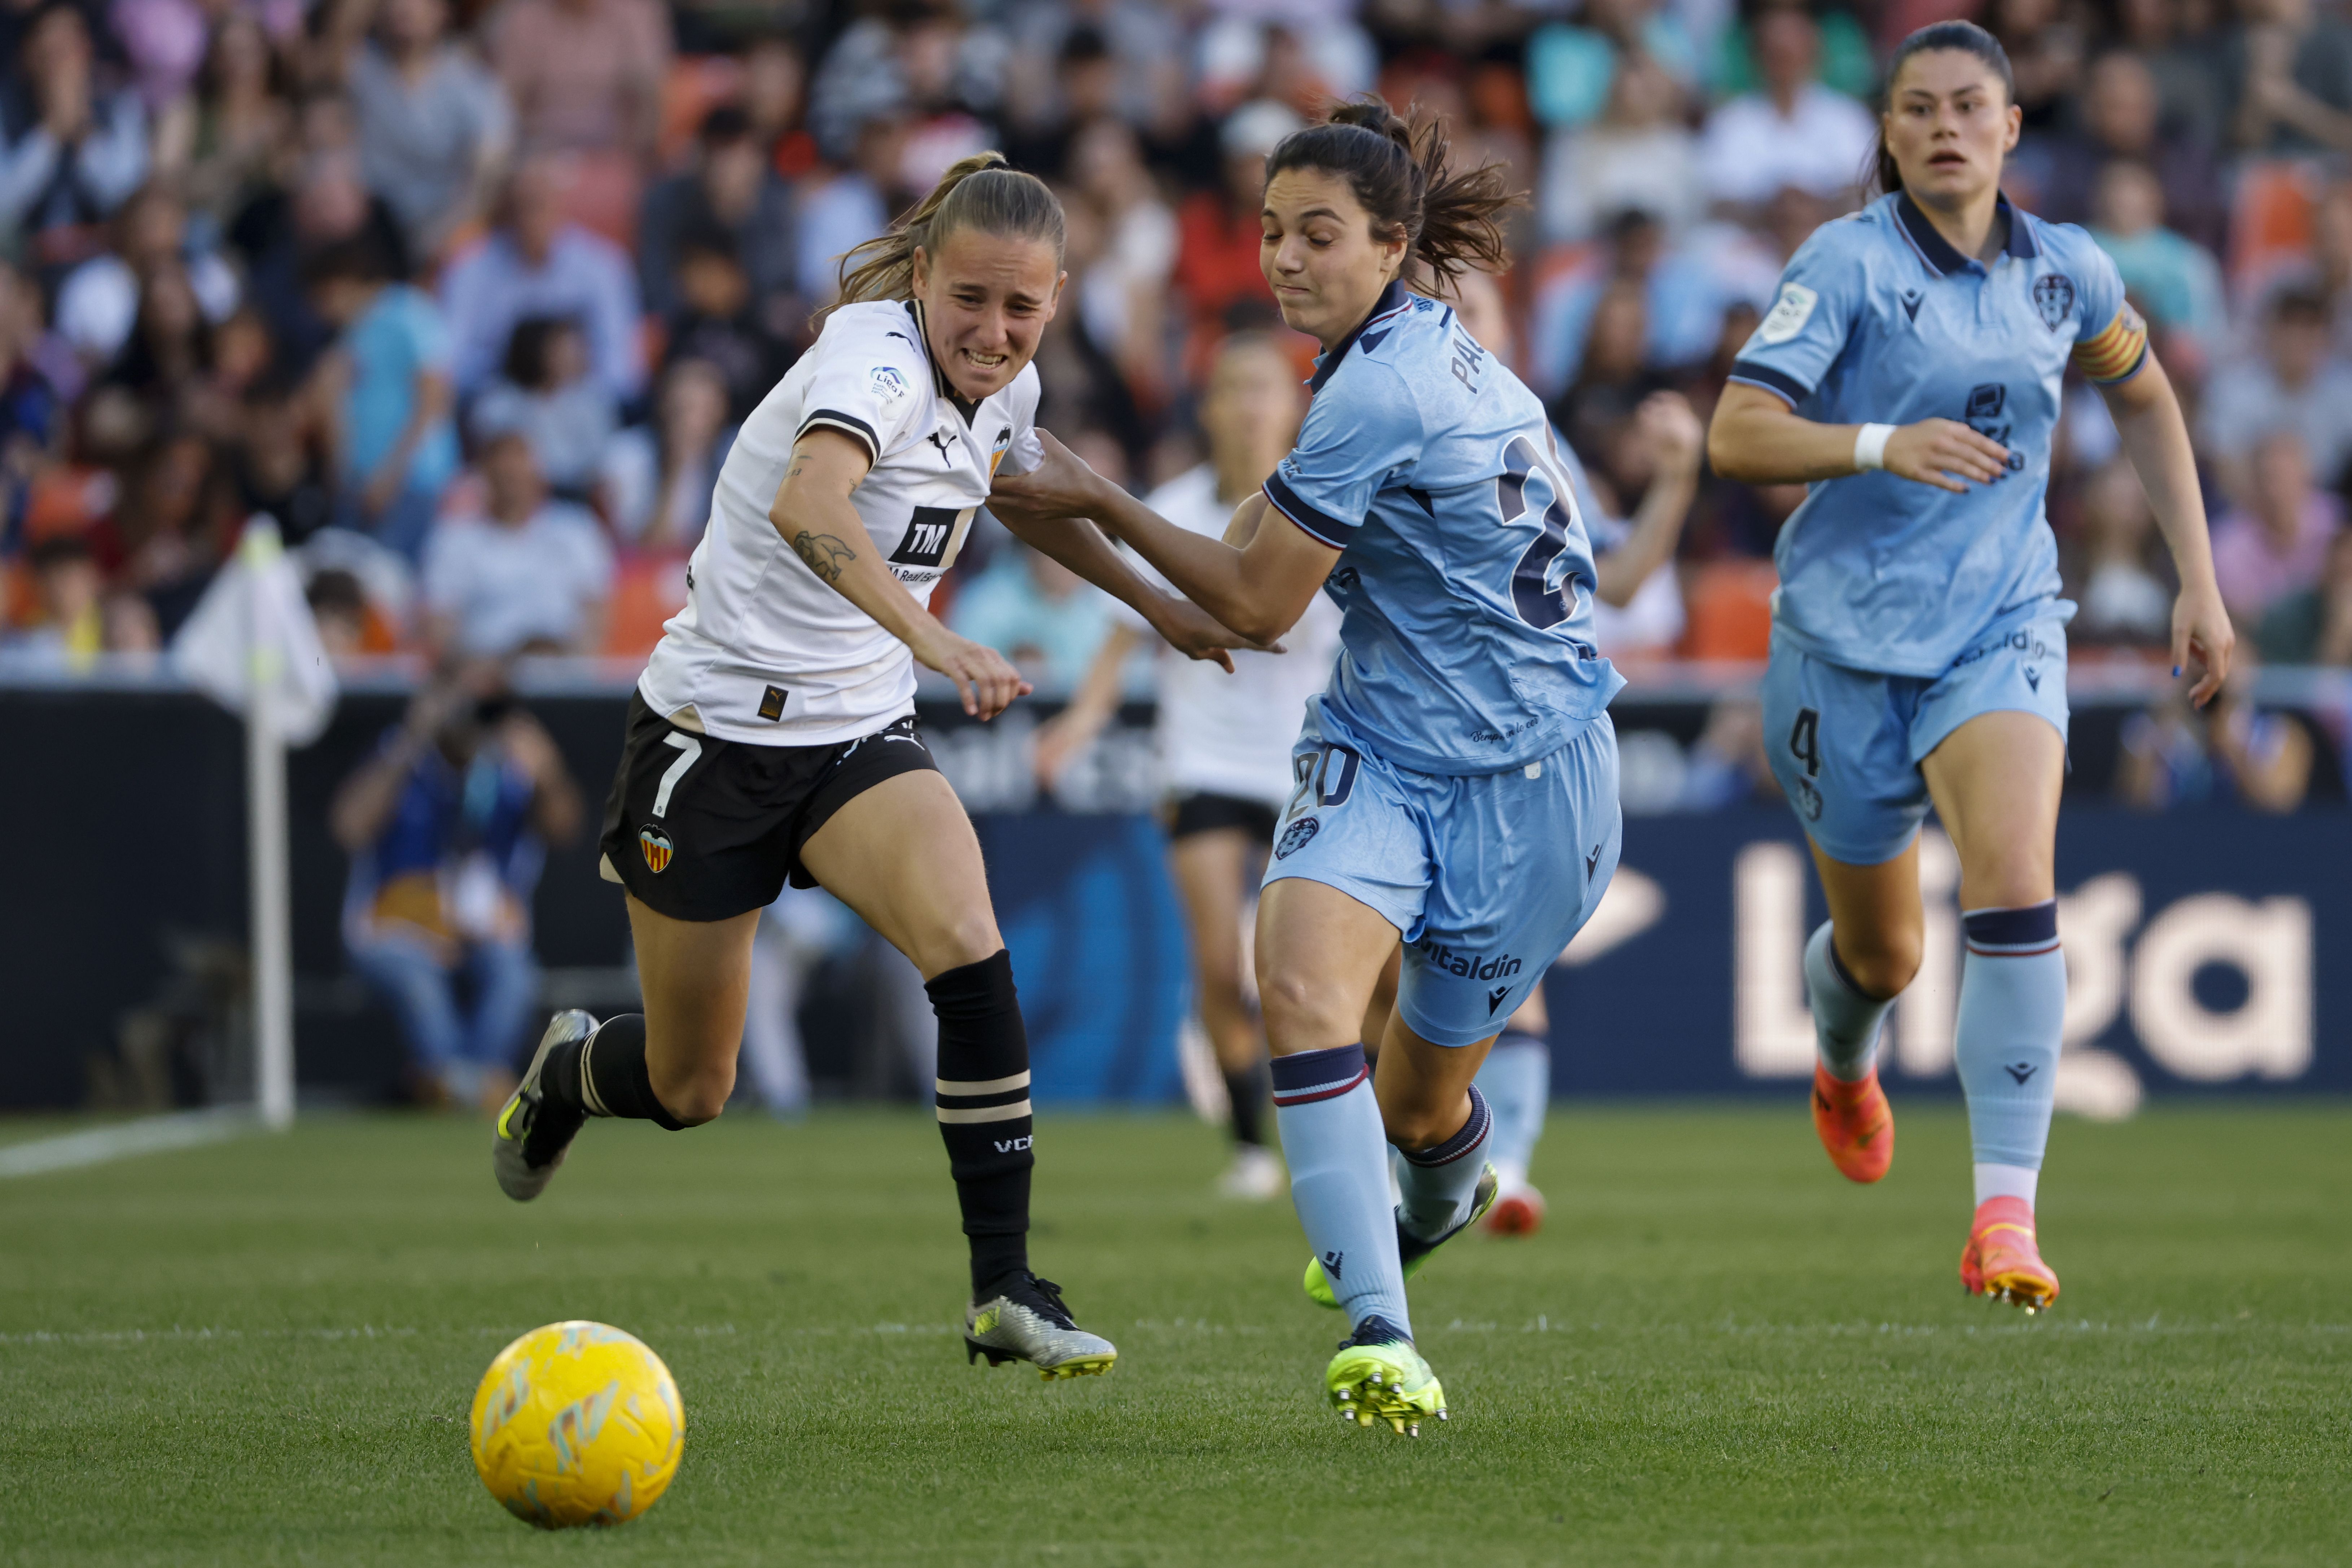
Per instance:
(1758,439)
(1259,591)
(2156,438)
(812,512)
(1079,546)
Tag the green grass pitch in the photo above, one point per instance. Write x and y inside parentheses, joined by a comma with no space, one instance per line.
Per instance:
(1716,1351)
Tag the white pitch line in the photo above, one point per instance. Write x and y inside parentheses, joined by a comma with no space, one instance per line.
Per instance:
(148,1135)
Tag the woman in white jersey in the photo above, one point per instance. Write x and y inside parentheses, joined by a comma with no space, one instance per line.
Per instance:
(1224,743)
(773,735)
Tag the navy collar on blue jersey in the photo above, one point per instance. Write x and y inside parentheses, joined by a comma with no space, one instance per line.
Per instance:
(1941,254)
(1392,299)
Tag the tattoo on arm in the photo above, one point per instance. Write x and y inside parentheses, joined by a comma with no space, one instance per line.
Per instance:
(826,556)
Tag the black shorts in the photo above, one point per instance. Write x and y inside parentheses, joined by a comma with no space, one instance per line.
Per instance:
(1202,812)
(705,829)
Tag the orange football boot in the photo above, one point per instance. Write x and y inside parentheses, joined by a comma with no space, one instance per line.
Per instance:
(1855,1124)
(1519,1212)
(2000,1259)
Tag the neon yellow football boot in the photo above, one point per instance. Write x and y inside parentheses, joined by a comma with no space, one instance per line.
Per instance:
(1378,1375)
(1412,1250)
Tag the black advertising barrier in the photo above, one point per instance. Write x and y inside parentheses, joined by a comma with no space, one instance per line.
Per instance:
(2206,944)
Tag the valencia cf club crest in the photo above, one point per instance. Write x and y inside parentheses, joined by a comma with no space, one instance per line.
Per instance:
(656,846)
(2053,296)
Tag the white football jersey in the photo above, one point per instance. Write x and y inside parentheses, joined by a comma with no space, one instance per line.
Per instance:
(1231,734)
(765,651)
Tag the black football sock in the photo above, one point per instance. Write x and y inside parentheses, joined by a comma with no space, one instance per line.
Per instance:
(1249,1091)
(983,1106)
(613,1079)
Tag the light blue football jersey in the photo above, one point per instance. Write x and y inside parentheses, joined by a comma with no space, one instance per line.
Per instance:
(1464,574)
(1880,321)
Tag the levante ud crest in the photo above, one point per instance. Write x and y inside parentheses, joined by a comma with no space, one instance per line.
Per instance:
(656,846)
(2053,296)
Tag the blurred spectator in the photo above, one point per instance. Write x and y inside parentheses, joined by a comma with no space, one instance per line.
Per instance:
(218,143)
(2176,281)
(914,59)
(1681,297)
(717,322)
(524,574)
(435,127)
(2186,67)
(537,263)
(1612,377)
(845,207)
(2287,75)
(68,628)
(173,523)
(2174,755)
(1727,765)
(658,481)
(447,826)
(32,404)
(1794,131)
(732,189)
(167,368)
(1070,60)
(1037,612)
(2274,543)
(1573,69)
(388,384)
(339,609)
(2124,594)
(1637,154)
(2293,384)
(329,204)
(98,300)
(2045,45)
(584,75)
(2120,118)
(70,151)
(775,91)
(1123,296)
(2313,625)
(280,462)
(547,394)
(1218,229)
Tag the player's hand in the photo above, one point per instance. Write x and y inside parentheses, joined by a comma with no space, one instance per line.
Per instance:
(984,677)
(1196,634)
(1669,428)
(1061,486)
(2203,636)
(1935,450)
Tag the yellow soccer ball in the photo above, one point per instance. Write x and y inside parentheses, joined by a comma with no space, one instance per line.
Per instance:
(577,1423)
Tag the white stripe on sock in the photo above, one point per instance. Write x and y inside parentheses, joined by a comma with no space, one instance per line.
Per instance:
(986,1112)
(982,1085)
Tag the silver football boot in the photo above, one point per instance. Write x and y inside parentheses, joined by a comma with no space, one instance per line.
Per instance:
(525,1165)
(1027,1321)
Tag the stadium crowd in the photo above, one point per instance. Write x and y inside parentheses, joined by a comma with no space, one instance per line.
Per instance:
(469,294)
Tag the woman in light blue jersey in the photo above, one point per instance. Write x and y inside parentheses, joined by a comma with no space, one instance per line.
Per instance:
(1455,783)
(1911,370)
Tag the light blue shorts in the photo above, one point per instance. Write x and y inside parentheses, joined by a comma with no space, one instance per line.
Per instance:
(1486,876)
(1847,743)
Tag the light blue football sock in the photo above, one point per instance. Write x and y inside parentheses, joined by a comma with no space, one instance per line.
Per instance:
(2013,1010)
(1435,1185)
(1338,1155)
(1517,1081)
(1845,1017)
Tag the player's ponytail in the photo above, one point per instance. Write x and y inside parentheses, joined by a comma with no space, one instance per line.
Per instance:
(1885,177)
(980,192)
(1400,171)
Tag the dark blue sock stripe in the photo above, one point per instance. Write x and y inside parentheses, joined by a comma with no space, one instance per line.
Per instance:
(1473,1133)
(1310,1076)
(2035,927)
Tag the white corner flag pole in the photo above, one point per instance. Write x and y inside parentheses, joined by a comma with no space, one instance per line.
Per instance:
(266,836)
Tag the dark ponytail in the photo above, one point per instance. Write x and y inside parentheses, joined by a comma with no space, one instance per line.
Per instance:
(1398,169)
(980,192)
(1966,38)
